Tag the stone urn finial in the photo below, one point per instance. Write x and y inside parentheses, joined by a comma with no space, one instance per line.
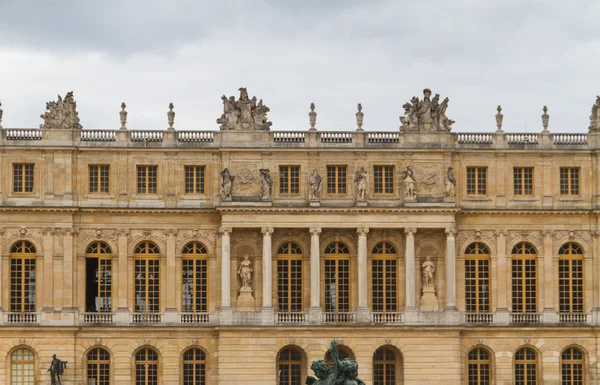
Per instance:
(123,116)
(171,116)
(312,117)
(545,119)
(359,117)
(499,118)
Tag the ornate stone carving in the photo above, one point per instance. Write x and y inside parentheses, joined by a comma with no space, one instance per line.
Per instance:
(171,116)
(545,118)
(244,114)
(449,186)
(314,230)
(315,182)
(429,177)
(245,273)
(312,117)
(428,271)
(266,184)
(62,113)
(266,230)
(426,114)
(595,116)
(499,118)
(226,185)
(359,118)
(225,230)
(362,184)
(362,231)
(123,116)
(409,184)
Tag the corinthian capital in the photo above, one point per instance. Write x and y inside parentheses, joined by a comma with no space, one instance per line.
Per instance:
(266,230)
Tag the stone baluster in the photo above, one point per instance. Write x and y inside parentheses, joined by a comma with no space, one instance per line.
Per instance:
(450,269)
(409,258)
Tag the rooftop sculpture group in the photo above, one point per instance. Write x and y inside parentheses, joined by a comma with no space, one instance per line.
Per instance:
(244,114)
(62,113)
(426,115)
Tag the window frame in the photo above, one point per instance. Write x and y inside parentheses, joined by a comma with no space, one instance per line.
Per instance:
(196,168)
(571,257)
(477,187)
(521,172)
(386,174)
(100,256)
(289,185)
(195,361)
(527,363)
(147,181)
(289,363)
(337,168)
(478,257)
(337,257)
(24,170)
(572,362)
(478,363)
(569,181)
(384,257)
(395,363)
(523,278)
(147,257)
(21,257)
(99,181)
(22,362)
(146,364)
(97,363)
(289,257)
(195,256)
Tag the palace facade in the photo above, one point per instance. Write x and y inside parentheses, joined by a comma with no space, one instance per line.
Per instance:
(234,256)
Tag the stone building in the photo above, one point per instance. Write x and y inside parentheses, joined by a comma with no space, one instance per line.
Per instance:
(234,256)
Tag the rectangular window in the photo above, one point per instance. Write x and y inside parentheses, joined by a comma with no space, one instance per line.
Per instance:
(383,179)
(384,278)
(337,285)
(524,285)
(195,285)
(289,180)
(477,181)
(570,285)
(336,179)
(289,285)
(146,179)
(22,284)
(194,180)
(146,285)
(569,181)
(23,178)
(477,284)
(523,181)
(98,178)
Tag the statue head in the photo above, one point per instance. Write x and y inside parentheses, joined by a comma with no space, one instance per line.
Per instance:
(427,92)
(246,257)
(349,369)
(53,356)
(449,168)
(314,171)
(321,368)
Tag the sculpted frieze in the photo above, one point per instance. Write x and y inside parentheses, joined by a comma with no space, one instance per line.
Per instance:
(428,178)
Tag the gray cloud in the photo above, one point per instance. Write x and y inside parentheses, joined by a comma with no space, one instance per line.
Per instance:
(522,55)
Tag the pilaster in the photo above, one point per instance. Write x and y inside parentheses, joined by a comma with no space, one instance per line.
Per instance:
(315,282)
(363,315)
(409,258)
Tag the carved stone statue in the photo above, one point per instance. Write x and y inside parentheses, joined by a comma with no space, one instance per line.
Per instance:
(409,184)
(428,269)
(245,272)
(226,184)
(57,368)
(450,186)
(362,183)
(266,184)
(344,372)
(1,112)
(62,113)
(595,117)
(315,186)
(426,115)
(244,114)
(359,117)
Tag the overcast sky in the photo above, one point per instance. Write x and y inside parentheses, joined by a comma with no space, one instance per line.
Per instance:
(521,54)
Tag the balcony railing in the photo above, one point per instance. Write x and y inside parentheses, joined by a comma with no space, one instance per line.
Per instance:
(25,134)
(96,318)
(194,318)
(146,318)
(291,318)
(387,318)
(98,135)
(289,137)
(525,318)
(383,137)
(147,136)
(335,137)
(479,318)
(474,138)
(338,317)
(21,318)
(569,138)
(522,138)
(573,318)
(196,136)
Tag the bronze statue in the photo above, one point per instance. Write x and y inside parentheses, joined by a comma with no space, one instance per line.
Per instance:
(57,368)
(344,372)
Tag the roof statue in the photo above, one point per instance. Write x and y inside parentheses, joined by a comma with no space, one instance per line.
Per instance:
(426,115)
(595,117)
(244,114)
(62,113)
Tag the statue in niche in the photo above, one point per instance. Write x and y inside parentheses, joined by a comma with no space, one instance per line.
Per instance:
(226,185)
(361,184)
(57,368)
(266,184)
(245,272)
(426,115)
(344,372)
(428,269)
(450,186)
(409,184)
(315,186)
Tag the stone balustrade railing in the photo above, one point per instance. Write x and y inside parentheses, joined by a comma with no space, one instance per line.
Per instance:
(362,139)
(525,318)
(335,317)
(479,318)
(146,318)
(291,318)
(21,318)
(194,318)
(387,318)
(96,318)
(574,318)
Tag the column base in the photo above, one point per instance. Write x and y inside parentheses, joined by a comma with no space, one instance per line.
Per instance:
(315,315)
(226,316)
(363,315)
(267,316)
(550,316)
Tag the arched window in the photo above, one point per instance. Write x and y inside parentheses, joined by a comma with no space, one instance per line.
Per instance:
(289,366)
(386,367)
(289,278)
(337,282)
(479,367)
(571,367)
(194,292)
(194,367)
(147,278)
(477,278)
(526,372)
(98,367)
(22,277)
(22,367)
(384,263)
(570,278)
(146,367)
(98,273)
(524,278)
(343,353)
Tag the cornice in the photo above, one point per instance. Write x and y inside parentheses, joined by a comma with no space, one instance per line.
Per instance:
(350,210)
(526,212)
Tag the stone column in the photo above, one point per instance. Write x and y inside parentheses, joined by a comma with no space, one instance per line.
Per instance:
(171,279)
(409,258)
(315,275)
(68,266)
(504,279)
(267,271)
(363,307)
(550,313)
(122,281)
(225,267)
(450,269)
